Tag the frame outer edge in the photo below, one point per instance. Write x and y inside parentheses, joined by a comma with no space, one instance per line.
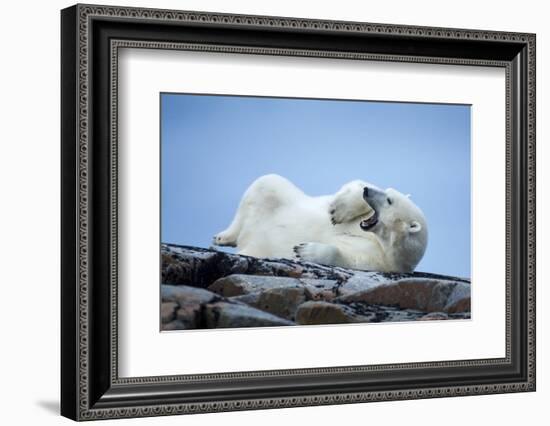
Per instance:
(83,65)
(68,124)
(81,318)
(69,192)
(531,213)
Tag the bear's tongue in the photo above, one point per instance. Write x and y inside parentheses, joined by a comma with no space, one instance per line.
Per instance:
(369,222)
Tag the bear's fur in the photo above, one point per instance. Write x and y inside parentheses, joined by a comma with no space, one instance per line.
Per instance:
(361,226)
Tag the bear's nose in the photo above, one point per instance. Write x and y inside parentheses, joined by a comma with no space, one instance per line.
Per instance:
(366,191)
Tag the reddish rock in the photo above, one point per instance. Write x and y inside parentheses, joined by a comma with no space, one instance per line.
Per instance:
(414,293)
(281,302)
(217,289)
(327,313)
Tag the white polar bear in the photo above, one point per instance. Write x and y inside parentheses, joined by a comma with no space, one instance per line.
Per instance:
(361,226)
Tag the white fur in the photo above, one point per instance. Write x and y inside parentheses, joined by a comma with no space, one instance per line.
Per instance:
(276,219)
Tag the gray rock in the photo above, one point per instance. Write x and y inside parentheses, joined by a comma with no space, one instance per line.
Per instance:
(459,299)
(400,315)
(182,295)
(381,313)
(233,265)
(235,315)
(434,316)
(248,299)
(460,315)
(190,316)
(235,285)
(197,265)
(275,267)
(167,311)
(187,303)
(193,267)
(362,281)
(173,326)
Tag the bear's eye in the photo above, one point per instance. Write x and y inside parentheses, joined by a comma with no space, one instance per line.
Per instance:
(390,201)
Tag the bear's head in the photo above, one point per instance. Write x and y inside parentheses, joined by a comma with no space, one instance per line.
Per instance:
(399,223)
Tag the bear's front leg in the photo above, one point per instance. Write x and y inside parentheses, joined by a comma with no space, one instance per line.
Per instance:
(324,254)
(348,203)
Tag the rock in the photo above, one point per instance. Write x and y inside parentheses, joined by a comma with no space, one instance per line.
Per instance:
(460,315)
(167,311)
(362,281)
(189,267)
(173,326)
(189,316)
(275,267)
(411,293)
(315,312)
(434,316)
(320,289)
(281,302)
(187,303)
(398,315)
(205,288)
(459,299)
(182,295)
(229,265)
(381,313)
(235,285)
(198,265)
(234,315)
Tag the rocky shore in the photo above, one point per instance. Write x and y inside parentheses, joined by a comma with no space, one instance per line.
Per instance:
(203,288)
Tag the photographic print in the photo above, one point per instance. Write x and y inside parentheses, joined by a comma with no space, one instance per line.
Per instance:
(292,211)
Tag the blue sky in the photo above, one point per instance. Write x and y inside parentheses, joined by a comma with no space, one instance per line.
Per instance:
(213,147)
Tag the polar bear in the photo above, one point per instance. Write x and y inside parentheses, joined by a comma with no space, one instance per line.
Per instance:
(360,227)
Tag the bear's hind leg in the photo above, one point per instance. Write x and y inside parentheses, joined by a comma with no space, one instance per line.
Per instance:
(259,201)
(228,237)
(225,239)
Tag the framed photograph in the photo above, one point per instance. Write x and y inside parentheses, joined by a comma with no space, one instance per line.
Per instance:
(263,212)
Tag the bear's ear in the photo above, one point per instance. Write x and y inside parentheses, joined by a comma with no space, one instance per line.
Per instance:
(414,227)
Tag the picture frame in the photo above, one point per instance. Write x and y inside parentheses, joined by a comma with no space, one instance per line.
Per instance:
(91,387)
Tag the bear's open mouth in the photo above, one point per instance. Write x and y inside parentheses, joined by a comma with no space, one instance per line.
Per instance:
(367,224)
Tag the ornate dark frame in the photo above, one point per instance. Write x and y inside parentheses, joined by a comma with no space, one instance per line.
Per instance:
(91,37)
